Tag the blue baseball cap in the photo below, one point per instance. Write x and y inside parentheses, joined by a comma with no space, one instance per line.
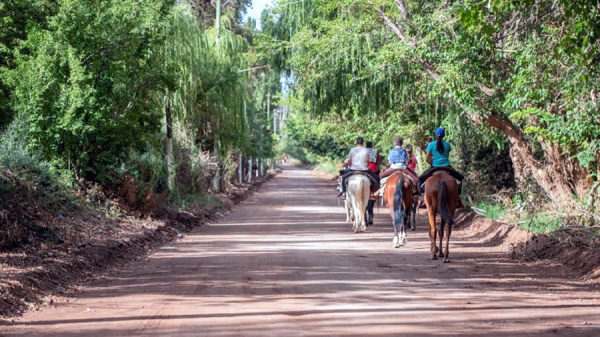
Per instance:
(440,132)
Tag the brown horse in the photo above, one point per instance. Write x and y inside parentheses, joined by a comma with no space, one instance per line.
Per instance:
(441,196)
(400,202)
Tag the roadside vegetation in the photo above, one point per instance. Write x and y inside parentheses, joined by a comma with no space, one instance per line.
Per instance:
(127,107)
(515,83)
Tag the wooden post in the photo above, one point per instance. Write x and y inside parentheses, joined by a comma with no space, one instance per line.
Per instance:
(257,171)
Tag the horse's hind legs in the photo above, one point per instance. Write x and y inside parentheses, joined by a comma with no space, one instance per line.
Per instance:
(432,236)
(447,251)
(415,208)
(441,235)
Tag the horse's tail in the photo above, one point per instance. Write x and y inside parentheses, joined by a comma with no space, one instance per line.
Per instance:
(442,202)
(398,196)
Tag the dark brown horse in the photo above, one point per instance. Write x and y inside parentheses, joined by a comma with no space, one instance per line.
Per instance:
(441,196)
(398,196)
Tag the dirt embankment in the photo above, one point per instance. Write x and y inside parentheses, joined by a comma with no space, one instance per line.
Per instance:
(90,245)
(582,259)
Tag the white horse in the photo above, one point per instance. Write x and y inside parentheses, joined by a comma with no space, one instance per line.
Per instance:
(357,198)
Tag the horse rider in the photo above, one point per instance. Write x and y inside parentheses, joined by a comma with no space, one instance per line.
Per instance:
(412,160)
(358,160)
(398,156)
(374,159)
(438,153)
(374,168)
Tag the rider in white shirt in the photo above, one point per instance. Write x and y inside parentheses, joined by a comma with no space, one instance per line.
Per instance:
(358,160)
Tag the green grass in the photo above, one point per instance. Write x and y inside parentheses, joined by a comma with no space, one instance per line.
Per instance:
(188,201)
(541,223)
(492,211)
(329,167)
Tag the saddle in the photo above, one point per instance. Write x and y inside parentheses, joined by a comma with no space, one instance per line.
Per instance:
(408,172)
(350,174)
(440,170)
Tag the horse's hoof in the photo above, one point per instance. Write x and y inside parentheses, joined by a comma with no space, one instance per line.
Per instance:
(413,229)
(441,254)
(434,257)
(446,261)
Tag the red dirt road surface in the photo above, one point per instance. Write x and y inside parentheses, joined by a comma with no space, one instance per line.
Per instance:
(285,264)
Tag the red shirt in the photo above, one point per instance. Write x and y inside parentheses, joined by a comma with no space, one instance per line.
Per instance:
(412,163)
(374,166)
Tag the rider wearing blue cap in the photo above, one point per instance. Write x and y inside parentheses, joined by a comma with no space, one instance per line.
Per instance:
(438,152)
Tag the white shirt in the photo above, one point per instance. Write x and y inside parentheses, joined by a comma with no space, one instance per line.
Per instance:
(360,157)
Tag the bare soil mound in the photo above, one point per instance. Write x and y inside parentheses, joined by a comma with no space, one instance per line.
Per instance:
(582,259)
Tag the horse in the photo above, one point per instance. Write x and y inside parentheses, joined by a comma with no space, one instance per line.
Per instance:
(357,197)
(398,196)
(441,196)
(348,208)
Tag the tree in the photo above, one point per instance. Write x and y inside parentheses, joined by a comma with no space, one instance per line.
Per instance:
(85,89)
(15,16)
(522,69)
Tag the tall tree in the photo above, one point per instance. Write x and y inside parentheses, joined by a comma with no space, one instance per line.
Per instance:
(523,69)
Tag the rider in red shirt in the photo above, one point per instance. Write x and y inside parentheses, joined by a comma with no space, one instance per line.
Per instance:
(373,167)
(412,160)
(375,159)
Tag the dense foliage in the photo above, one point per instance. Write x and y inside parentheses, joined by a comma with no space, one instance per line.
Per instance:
(520,73)
(106,91)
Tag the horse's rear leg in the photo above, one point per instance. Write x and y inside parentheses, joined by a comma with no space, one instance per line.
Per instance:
(415,208)
(447,251)
(432,235)
(441,234)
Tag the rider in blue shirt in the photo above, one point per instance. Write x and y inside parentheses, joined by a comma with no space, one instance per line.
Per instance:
(438,153)
(398,156)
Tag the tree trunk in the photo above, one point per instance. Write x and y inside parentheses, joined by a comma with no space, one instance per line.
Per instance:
(170,171)
(241,169)
(419,156)
(216,181)
(560,185)
(250,169)
(550,177)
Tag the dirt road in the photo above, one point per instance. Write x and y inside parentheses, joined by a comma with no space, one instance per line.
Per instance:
(285,264)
